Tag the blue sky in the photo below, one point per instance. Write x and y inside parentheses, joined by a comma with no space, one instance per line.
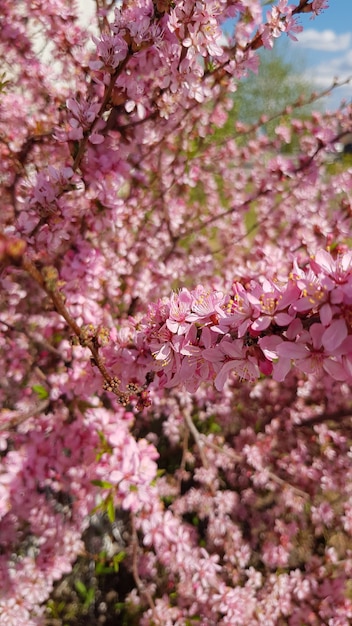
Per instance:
(325,49)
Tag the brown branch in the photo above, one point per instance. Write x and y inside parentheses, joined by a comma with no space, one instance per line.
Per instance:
(238,458)
(48,285)
(337,416)
(18,417)
(197,438)
(140,586)
(103,106)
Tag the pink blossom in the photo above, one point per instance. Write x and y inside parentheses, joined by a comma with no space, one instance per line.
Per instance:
(180,308)
(274,305)
(314,349)
(238,312)
(153,247)
(319,5)
(238,363)
(111,50)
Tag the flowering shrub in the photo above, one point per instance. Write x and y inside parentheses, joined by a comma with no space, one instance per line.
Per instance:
(175,321)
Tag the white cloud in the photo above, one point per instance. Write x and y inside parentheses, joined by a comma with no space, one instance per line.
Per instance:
(326,40)
(322,75)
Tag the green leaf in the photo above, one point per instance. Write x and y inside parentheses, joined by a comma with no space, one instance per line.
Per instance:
(41,392)
(81,589)
(104,484)
(116,560)
(105,446)
(119,557)
(110,508)
(90,597)
(103,570)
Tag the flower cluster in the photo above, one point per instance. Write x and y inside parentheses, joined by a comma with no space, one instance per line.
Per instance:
(261,328)
(280,20)
(187,457)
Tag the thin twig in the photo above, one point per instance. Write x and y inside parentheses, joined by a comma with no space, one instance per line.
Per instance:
(197,438)
(18,417)
(140,586)
(325,417)
(60,307)
(240,459)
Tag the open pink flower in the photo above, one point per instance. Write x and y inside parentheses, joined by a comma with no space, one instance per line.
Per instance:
(319,348)
(275,305)
(238,312)
(180,307)
(204,305)
(339,270)
(235,360)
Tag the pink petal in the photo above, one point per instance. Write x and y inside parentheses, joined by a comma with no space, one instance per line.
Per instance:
(334,335)
(96,139)
(281,369)
(262,323)
(223,375)
(326,314)
(292,350)
(335,369)
(283,319)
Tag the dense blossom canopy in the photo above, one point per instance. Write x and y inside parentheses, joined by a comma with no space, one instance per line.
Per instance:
(175,317)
